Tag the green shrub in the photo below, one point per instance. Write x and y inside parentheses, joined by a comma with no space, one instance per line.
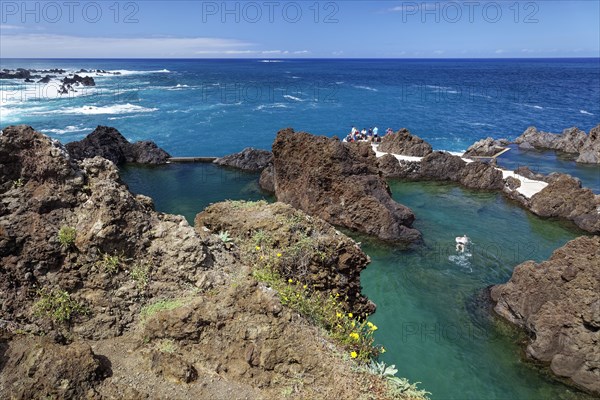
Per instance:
(109,264)
(140,273)
(57,305)
(224,236)
(18,183)
(66,236)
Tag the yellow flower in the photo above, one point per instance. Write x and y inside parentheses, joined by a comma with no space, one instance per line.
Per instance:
(382,350)
(257,247)
(372,326)
(278,254)
(353,324)
(354,336)
(305,286)
(353,354)
(350,315)
(290,280)
(338,314)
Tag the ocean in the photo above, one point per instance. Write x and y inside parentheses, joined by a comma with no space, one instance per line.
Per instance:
(430,314)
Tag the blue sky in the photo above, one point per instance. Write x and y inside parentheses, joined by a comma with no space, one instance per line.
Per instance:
(315,29)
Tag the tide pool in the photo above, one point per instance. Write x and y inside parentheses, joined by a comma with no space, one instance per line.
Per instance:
(430,315)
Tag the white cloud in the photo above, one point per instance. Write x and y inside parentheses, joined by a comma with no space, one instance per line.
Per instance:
(62,46)
(500,51)
(9,27)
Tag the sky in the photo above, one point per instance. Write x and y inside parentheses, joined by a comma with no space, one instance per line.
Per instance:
(299,29)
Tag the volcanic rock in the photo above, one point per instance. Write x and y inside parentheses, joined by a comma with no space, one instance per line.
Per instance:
(565,198)
(404,143)
(589,152)
(249,159)
(569,141)
(108,142)
(339,183)
(484,148)
(320,257)
(556,302)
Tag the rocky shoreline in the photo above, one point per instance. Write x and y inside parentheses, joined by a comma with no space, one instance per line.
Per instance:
(560,195)
(557,302)
(103,297)
(585,147)
(71,233)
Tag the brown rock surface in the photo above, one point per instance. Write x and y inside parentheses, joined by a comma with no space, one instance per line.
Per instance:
(572,140)
(404,143)
(484,148)
(565,198)
(137,305)
(557,302)
(590,150)
(312,251)
(249,159)
(338,182)
(109,143)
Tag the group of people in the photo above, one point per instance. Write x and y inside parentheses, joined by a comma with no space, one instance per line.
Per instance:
(368,135)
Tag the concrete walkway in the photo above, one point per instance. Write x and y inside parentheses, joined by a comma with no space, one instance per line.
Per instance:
(528,187)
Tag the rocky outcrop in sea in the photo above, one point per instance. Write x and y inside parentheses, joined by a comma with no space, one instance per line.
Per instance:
(485,147)
(109,143)
(557,303)
(572,141)
(249,159)
(338,182)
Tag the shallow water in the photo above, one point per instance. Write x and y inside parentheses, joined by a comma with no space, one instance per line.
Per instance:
(429,318)
(548,161)
(186,189)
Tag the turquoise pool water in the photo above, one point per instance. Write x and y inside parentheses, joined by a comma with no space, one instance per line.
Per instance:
(430,318)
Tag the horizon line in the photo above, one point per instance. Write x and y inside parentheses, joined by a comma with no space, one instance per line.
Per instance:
(303,58)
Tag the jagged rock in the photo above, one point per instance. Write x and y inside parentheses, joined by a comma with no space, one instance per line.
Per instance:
(45,79)
(53,191)
(557,303)
(404,143)
(441,166)
(478,175)
(589,152)
(35,368)
(390,166)
(339,183)
(267,179)
(484,148)
(108,142)
(565,198)
(513,183)
(76,79)
(569,141)
(330,262)
(148,152)
(173,367)
(529,174)
(136,282)
(249,159)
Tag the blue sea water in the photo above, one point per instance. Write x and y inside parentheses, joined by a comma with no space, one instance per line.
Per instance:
(428,309)
(216,107)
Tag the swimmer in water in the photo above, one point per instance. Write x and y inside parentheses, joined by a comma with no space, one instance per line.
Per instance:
(461,242)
